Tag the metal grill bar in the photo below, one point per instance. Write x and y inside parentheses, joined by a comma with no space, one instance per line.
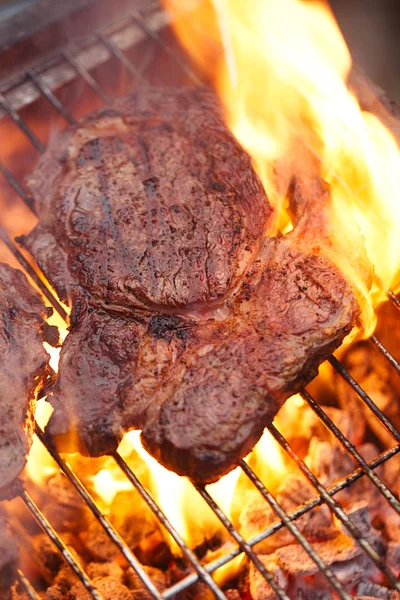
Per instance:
(201,571)
(299,512)
(12,113)
(51,97)
(113,48)
(394,299)
(282,514)
(385,353)
(69,57)
(26,586)
(107,526)
(32,273)
(364,397)
(27,198)
(245,547)
(47,528)
(154,35)
(336,509)
(372,476)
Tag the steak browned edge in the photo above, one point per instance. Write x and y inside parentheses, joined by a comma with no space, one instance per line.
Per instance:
(24,368)
(189,321)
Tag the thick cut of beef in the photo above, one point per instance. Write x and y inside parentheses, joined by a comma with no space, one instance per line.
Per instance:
(24,367)
(189,321)
(151,203)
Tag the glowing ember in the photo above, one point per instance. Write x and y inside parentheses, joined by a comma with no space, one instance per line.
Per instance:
(280,68)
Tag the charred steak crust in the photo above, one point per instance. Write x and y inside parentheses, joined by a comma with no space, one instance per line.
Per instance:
(189,322)
(24,367)
(150,203)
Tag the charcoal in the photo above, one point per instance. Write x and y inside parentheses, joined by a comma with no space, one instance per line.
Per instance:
(63,582)
(110,587)
(198,591)
(99,545)
(375,375)
(258,587)
(328,461)
(232,595)
(306,590)
(365,598)
(138,588)
(393,557)
(55,592)
(392,526)
(134,522)
(369,588)
(64,507)
(360,516)
(345,421)
(294,560)
(257,515)
(48,554)
(18,594)
(111,569)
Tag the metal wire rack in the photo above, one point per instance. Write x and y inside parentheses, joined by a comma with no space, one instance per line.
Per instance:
(42,81)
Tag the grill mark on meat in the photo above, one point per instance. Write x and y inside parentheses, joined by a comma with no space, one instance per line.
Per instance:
(107,211)
(152,212)
(207,323)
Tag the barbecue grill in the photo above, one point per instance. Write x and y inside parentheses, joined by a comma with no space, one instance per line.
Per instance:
(34,79)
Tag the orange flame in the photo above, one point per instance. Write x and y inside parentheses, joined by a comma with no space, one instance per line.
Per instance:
(280,68)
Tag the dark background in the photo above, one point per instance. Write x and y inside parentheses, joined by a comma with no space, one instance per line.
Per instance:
(372,31)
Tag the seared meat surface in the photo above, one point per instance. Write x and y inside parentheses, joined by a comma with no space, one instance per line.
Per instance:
(24,366)
(151,203)
(189,321)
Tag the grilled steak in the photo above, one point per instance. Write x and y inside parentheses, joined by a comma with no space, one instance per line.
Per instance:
(189,321)
(136,212)
(24,366)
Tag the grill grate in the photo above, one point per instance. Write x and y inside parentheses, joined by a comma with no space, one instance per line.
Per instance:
(37,85)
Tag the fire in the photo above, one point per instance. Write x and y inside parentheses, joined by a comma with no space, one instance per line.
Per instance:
(183,506)
(40,466)
(178,499)
(280,68)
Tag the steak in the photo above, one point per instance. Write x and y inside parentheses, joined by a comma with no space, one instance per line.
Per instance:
(136,213)
(189,320)
(24,368)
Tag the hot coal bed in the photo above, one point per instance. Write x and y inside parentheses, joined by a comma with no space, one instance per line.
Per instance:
(329,528)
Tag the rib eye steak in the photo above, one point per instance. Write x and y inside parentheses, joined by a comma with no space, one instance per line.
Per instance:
(24,368)
(189,321)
